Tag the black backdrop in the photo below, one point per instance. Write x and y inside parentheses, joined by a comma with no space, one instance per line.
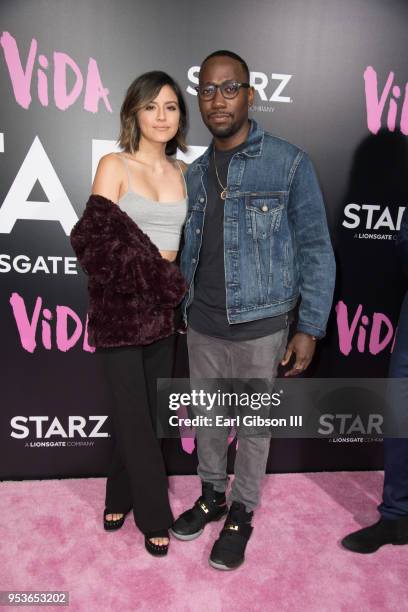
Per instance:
(331,76)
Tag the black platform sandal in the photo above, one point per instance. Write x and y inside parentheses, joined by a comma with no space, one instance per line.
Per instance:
(157,550)
(113,525)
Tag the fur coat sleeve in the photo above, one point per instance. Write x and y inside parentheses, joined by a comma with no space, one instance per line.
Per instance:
(115,253)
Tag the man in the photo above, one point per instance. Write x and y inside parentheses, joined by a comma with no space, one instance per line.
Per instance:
(256,240)
(392,528)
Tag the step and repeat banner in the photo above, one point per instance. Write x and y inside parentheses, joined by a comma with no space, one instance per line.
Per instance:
(329,75)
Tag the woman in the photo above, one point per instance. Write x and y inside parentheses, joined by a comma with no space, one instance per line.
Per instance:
(126,241)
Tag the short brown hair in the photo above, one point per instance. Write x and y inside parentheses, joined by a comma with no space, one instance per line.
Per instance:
(143,90)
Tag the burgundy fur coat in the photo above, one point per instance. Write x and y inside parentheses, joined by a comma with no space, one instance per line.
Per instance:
(133,291)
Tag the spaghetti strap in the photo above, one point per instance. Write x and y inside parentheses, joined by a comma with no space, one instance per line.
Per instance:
(184,179)
(124,160)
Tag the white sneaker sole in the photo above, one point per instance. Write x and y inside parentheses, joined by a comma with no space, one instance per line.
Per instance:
(186,538)
(220,566)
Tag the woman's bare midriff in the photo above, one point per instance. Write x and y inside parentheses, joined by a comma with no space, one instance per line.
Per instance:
(169,255)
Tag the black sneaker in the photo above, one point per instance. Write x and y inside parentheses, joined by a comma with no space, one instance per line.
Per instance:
(210,506)
(369,539)
(228,551)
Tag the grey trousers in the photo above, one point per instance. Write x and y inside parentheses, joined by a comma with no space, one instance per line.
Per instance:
(217,358)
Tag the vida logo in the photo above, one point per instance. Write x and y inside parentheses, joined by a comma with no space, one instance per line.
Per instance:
(390,97)
(22,77)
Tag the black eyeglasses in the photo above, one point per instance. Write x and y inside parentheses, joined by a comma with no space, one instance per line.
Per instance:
(229,90)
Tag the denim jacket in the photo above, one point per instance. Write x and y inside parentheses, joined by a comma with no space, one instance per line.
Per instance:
(277,246)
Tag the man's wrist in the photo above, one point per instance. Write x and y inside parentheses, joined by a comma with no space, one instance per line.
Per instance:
(314,338)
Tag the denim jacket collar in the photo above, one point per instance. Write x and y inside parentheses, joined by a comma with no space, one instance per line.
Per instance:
(254,144)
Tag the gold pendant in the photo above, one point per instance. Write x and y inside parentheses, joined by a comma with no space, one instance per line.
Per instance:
(223,194)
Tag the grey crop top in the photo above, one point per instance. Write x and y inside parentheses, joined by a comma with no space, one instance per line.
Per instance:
(161,221)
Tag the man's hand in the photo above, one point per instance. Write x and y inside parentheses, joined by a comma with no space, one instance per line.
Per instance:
(304,347)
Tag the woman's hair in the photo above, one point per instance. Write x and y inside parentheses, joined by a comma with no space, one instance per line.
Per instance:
(143,90)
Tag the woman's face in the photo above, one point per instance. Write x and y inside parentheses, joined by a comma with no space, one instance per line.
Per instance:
(159,119)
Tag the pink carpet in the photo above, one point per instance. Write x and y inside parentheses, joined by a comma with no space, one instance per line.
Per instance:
(51,538)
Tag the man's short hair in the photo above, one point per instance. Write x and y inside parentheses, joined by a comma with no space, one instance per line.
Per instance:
(232,55)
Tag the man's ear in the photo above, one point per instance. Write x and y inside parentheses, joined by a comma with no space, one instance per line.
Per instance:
(251,95)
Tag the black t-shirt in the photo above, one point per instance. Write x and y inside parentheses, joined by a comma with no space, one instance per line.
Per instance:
(208,312)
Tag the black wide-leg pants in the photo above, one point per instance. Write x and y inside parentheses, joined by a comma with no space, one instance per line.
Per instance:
(137,476)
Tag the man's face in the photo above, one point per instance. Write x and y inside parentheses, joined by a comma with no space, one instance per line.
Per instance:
(224,118)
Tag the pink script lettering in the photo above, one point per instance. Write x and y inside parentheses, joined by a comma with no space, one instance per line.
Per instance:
(375,103)
(21,78)
(353,333)
(65,317)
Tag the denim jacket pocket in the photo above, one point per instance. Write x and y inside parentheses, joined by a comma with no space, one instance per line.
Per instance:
(263,214)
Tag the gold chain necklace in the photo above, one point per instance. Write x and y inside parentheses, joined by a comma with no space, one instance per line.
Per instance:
(223,193)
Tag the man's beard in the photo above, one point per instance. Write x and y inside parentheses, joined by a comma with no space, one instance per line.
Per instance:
(223,131)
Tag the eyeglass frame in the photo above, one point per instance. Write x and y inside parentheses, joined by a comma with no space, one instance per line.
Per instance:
(245,85)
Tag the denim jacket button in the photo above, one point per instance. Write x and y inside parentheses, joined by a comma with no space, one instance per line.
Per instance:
(201,200)
(193,260)
(265,208)
(198,230)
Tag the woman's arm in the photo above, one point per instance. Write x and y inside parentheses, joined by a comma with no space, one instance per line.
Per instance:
(108,178)
(90,236)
